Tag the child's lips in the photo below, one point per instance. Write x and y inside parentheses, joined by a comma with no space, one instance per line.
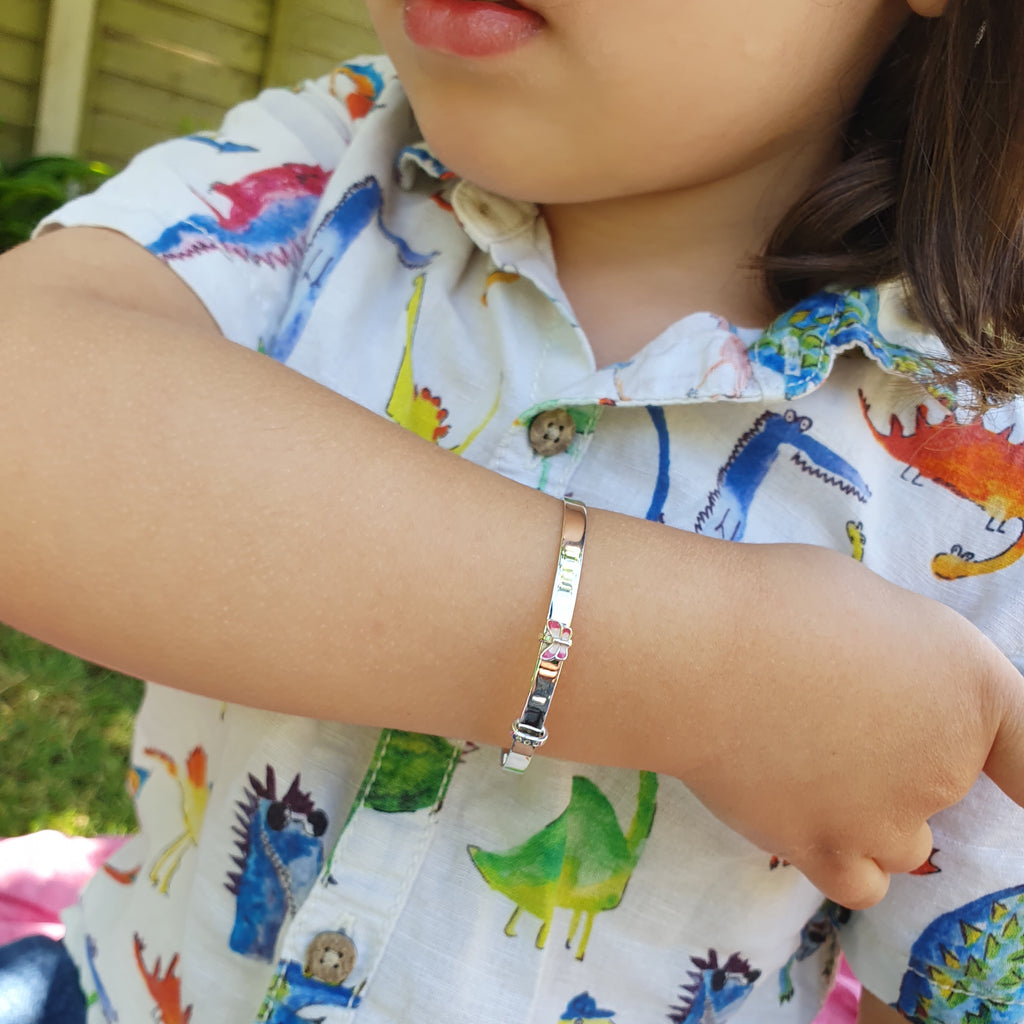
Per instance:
(470,28)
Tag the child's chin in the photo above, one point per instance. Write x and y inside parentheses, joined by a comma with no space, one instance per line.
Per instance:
(513,171)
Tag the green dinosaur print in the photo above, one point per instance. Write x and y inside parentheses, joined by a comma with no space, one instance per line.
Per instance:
(409,771)
(581,861)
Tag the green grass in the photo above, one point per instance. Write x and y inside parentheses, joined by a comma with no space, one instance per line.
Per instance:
(65,736)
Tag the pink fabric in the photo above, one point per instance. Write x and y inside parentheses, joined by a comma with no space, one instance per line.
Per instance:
(40,875)
(841,1007)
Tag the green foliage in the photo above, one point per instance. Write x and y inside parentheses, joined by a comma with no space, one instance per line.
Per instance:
(33,188)
(65,737)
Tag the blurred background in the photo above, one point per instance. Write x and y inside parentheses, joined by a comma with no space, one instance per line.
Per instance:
(84,85)
(102,79)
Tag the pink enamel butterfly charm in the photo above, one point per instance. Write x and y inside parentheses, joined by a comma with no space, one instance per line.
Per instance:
(558,639)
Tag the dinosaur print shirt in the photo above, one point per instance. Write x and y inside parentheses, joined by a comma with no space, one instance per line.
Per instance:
(291,870)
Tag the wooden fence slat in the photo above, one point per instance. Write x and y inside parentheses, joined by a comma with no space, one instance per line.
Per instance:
(15,142)
(310,18)
(116,139)
(171,113)
(24,18)
(251,15)
(309,38)
(293,66)
(167,28)
(174,72)
(329,37)
(18,103)
(20,60)
(353,11)
(65,73)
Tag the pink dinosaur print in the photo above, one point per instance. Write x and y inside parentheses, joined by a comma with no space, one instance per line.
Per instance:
(734,354)
(250,196)
(268,213)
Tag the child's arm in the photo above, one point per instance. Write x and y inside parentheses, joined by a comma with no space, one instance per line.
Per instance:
(873,1011)
(188,511)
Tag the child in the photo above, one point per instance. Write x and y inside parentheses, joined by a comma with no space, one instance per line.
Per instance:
(242,533)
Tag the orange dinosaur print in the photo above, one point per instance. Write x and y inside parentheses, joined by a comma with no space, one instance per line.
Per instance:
(929,867)
(497,277)
(195,792)
(368,86)
(974,463)
(440,197)
(166,990)
(121,876)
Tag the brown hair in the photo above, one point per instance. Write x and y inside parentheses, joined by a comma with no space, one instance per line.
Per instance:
(931,189)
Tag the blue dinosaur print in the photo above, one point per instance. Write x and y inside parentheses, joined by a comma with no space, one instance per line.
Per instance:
(803,343)
(656,513)
(361,205)
(422,156)
(820,930)
(102,996)
(715,991)
(967,967)
(754,455)
(583,1009)
(281,853)
(293,992)
(221,145)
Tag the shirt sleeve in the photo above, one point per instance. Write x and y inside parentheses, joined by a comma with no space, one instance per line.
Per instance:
(947,943)
(229,211)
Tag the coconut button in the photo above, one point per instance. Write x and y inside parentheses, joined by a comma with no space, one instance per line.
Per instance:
(551,432)
(331,958)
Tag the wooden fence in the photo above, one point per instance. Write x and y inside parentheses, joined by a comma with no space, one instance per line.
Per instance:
(22,30)
(106,78)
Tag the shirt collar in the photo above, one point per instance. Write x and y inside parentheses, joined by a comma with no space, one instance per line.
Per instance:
(488,219)
(703,358)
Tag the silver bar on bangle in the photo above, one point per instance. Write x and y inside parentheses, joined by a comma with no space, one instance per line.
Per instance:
(528,730)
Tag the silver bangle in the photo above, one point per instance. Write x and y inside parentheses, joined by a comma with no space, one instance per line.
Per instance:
(528,731)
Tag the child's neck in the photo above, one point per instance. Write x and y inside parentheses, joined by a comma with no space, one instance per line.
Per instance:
(634,265)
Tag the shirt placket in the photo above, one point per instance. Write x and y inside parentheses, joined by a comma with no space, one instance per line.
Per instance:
(546,442)
(340,933)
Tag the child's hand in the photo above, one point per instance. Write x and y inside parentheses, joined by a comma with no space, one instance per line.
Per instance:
(845,716)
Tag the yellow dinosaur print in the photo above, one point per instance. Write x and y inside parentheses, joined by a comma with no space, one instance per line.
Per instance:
(195,792)
(415,408)
(581,861)
(497,277)
(855,533)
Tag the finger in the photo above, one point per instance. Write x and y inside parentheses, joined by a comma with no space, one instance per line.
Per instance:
(909,854)
(851,880)
(1005,764)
